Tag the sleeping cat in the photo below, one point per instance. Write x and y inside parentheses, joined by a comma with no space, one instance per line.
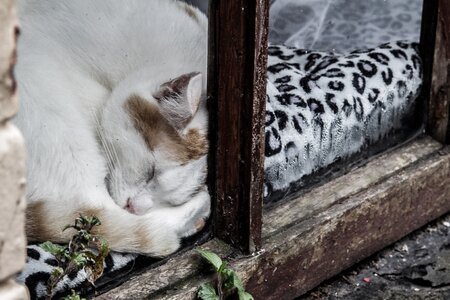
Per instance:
(113,112)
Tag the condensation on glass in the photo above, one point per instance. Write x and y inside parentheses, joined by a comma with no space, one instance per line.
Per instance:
(344,78)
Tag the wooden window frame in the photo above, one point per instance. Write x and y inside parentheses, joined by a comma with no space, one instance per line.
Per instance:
(237,98)
(289,249)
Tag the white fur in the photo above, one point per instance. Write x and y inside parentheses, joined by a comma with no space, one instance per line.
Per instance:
(78,61)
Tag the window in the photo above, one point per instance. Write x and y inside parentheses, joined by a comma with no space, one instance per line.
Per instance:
(344,79)
(295,244)
(357,213)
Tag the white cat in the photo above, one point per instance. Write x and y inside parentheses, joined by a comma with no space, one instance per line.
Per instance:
(113,112)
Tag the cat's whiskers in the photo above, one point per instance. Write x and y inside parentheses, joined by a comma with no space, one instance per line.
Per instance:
(111,156)
(107,148)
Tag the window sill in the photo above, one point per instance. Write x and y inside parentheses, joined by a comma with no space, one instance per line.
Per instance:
(314,237)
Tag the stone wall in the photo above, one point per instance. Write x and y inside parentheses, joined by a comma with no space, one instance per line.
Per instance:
(12,166)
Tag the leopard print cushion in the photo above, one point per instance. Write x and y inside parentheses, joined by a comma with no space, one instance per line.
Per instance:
(40,264)
(322,107)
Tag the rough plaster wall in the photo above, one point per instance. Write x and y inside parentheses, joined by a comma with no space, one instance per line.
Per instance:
(12,167)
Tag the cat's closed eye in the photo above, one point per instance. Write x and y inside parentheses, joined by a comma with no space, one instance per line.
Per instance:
(108,183)
(150,175)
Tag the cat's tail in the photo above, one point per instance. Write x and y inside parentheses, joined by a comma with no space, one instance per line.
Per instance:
(124,232)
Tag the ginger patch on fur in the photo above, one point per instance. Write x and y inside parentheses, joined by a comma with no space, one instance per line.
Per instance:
(190,11)
(36,223)
(156,131)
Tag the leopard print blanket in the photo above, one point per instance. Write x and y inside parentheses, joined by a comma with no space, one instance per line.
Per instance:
(320,107)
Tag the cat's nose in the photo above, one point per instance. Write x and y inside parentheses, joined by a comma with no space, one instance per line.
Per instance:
(129,207)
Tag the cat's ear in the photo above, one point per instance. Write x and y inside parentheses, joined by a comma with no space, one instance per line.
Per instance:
(179,98)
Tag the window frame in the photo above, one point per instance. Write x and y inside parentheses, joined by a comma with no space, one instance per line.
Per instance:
(232,206)
(408,187)
(237,100)
(238,106)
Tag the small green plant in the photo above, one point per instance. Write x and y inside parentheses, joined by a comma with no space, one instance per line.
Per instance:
(78,254)
(226,283)
(73,296)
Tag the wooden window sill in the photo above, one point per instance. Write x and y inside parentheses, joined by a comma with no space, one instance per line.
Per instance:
(314,237)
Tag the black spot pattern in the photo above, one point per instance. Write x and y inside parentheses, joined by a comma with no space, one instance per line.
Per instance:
(315,106)
(312,58)
(301,52)
(385,46)
(298,101)
(284,88)
(284,99)
(399,54)
(304,83)
(297,125)
(359,83)
(417,63)
(52,262)
(31,253)
(380,58)
(367,68)
(387,77)
(270,118)
(403,45)
(334,73)
(347,108)
(358,108)
(324,64)
(408,72)
(34,280)
(336,85)
(277,68)
(273,142)
(329,98)
(284,79)
(347,64)
(282,119)
(373,95)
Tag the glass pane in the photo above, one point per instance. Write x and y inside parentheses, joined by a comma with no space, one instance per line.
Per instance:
(343,25)
(343,83)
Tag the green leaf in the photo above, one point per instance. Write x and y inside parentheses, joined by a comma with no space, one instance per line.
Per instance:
(212,258)
(73,296)
(54,249)
(232,280)
(95,221)
(101,244)
(207,292)
(57,271)
(244,296)
(94,269)
(79,259)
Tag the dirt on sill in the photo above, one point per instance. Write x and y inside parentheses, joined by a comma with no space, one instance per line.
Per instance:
(415,268)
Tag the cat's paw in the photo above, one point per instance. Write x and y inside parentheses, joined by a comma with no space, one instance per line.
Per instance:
(158,238)
(197,211)
(165,243)
(186,219)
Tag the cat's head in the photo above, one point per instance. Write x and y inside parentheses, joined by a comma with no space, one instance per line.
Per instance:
(156,143)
